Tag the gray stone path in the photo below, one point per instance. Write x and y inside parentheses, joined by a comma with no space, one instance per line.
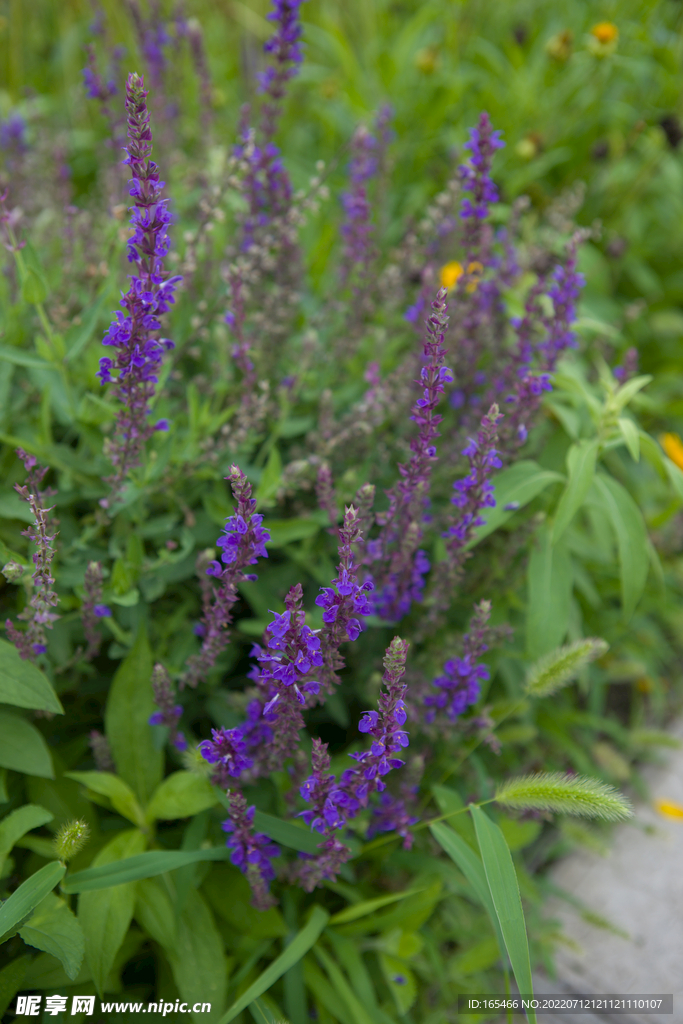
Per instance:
(638,887)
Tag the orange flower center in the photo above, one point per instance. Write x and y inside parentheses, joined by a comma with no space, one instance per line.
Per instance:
(605,32)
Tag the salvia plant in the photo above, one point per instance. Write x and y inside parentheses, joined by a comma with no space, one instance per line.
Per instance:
(320,574)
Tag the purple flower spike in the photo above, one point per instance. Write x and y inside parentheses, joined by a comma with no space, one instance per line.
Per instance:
(252,852)
(37,613)
(93,610)
(459,685)
(227,751)
(401,579)
(476,179)
(324,817)
(285,54)
(169,712)
(242,544)
(133,335)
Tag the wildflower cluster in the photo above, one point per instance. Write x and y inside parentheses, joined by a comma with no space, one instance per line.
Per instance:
(334,803)
(93,610)
(133,333)
(169,712)
(402,580)
(37,613)
(243,543)
(252,852)
(459,685)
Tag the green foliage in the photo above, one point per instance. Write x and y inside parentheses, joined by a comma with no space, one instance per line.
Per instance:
(53,928)
(15,910)
(129,706)
(22,747)
(565,794)
(105,915)
(23,684)
(584,540)
(296,949)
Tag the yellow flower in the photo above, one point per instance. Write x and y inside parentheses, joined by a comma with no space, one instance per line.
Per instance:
(605,32)
(669,809)
(451,272)
(673,446)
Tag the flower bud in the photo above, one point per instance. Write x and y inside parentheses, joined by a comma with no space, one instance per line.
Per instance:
(13,572)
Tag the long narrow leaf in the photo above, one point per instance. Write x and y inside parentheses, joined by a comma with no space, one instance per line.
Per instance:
(368,906)
(581,459)
(142,865)
(297,948)
(29,895)
(359,1014)
(504,887)
(462,854)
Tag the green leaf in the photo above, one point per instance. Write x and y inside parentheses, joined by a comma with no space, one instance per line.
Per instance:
(549,581)
(357,1011)
(181,795)
(286,833)
(29,894)
(285,531)
(400,981)
(675,475)
(54,929)
(553,671)
(119,793)
(632,541)
(627,391)
(297,948)
(196,958)
(270,479)
(516,486)
(565,794)
(106,916)
(129,707)
(462,854)
(17,824)
(229,895)
(369,906)
(143,865)
(78,339)
(154,911)
(450,802)
(581,460)
(34,287)
(21,358)
(23,684)
(631,435)
(504,888)
(11,980)
(22,747)
(410,915)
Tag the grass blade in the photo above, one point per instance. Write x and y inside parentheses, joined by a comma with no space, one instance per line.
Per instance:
(298,948)
(504,888)
(462,854)
(142,865)
(28,896)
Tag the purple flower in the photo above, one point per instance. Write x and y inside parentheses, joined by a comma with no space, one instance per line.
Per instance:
(133,335)
(226,750)
(345,798)
(252,852)
(169,712)
(243,543)
(42,532)
(92,610)
(324,818)
(475,175)
(400,578)
(285,54)
(13,134)
(459,685)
